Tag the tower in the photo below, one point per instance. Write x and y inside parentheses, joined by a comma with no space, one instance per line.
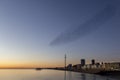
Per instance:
(82,62)
(92,61)
(65,61)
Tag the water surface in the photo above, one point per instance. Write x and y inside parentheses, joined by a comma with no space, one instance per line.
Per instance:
(31,74)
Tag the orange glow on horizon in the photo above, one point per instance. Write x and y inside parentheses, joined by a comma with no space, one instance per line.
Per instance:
(28,65)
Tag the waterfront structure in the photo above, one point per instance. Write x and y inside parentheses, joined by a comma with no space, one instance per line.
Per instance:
(111,66)
(92,61)
(94,66)
(69,67)
(79,66)
(74,67)
(82,62)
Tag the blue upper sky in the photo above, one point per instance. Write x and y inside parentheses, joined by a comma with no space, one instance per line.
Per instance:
(27,28)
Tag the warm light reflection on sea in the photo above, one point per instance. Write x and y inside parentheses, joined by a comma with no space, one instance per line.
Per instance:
(31,74)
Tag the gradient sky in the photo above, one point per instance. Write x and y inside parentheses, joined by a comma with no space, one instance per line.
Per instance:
(27,27)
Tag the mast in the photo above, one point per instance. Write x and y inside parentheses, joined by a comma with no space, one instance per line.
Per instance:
(65,61)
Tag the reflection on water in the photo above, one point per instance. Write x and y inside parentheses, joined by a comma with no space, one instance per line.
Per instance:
(83,76)
(69,75)
(65,75)
(47,75)
(94,78)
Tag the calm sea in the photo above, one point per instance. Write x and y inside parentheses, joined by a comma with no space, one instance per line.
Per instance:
(31,74)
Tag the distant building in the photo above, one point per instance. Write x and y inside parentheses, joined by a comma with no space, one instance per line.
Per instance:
(69,67)
(97,65)
(112,66)
(78,66)
(93,62)
(82,62)
(74,67)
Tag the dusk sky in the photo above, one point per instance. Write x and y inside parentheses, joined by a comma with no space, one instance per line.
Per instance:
(38,33)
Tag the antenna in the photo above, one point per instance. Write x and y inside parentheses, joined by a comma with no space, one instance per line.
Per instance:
(65,61)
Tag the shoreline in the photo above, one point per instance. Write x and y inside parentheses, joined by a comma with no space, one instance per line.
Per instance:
(113,74)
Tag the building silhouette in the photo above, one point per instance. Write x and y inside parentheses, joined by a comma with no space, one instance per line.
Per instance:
(93,62)
(82,62)
(69,67)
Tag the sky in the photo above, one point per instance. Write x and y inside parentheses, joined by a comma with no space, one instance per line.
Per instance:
(38,33)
